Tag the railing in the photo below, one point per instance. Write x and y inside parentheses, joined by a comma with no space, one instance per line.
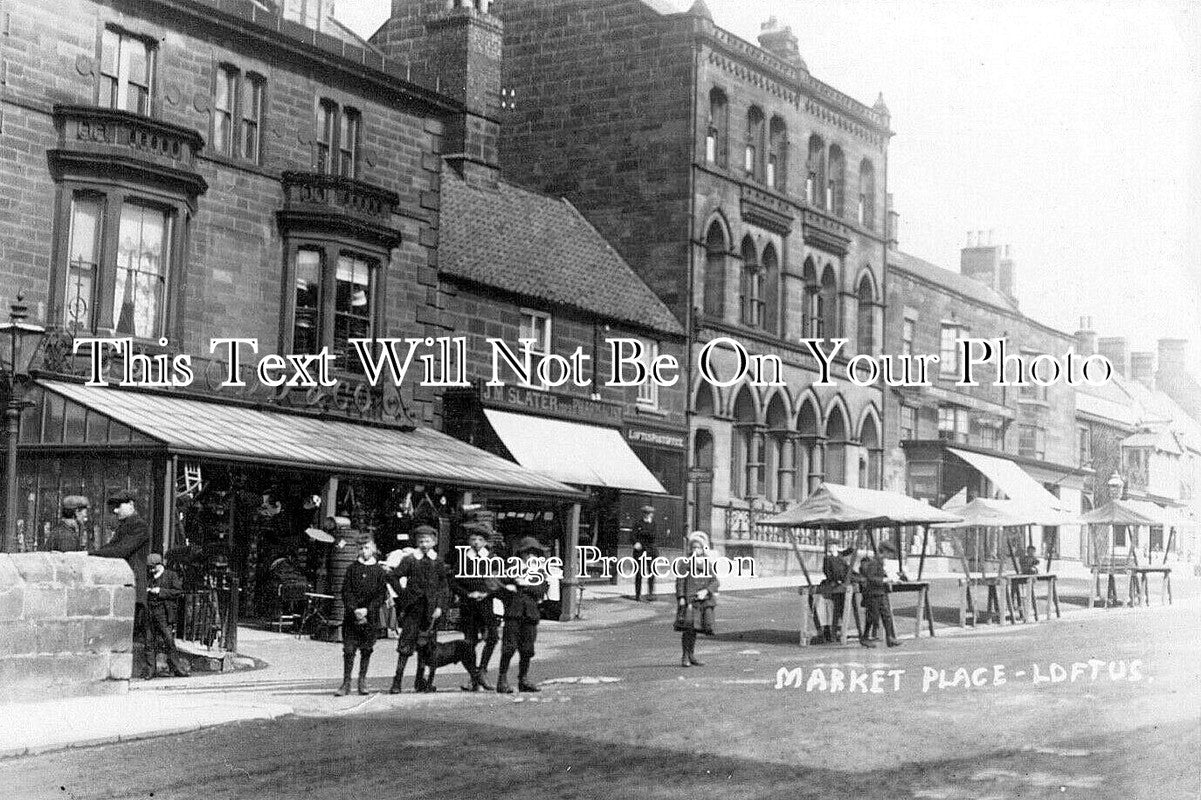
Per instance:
(744,525)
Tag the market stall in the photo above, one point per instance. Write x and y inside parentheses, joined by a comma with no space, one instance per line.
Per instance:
(834,507)
(990,528)
(1106,520)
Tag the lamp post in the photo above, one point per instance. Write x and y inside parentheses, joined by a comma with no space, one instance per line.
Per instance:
(18,346)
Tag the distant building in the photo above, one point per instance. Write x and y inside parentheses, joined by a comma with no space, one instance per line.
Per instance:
(952,443)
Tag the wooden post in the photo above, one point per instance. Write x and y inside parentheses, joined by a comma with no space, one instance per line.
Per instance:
(921,564)
(569,587)
(168,498)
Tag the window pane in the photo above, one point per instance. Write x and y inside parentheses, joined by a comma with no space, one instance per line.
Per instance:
(252,113)
(352,302)
(306,330)
(141,271)
(82,254)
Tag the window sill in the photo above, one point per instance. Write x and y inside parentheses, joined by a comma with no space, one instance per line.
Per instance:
(650,411)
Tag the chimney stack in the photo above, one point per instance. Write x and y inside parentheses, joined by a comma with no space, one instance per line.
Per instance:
(1086,338)
(781,42)
(1173,356)
(1117,350)
(1142,368)
(989,264)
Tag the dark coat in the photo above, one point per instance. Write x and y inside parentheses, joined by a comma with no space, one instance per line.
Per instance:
(132,543)
(1028,565)
(166,601)
(688,586)
(427,583)
(365,586)
(63,538)
(873,579)
(834,571)
(463,586)
(522,604)
(644,533)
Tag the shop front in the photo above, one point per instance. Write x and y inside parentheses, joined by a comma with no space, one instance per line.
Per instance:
(622,460)
(259,508)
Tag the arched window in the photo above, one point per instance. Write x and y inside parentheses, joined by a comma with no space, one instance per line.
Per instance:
(836,184)
(770,277)
(815,176)
(746,463)
(828,305)
(777,154)
(715,271)
(779,457)
(752,155)
(717,139)
(751,287)
(811,321)
(873,456)
(867,195)
(836,447)
(866,316)
(808,457)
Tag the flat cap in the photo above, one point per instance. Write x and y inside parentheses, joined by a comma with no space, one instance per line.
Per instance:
(73,502)
(121,496)
(424,530)
(153,560)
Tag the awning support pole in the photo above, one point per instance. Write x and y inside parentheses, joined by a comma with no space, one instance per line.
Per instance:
(569,599)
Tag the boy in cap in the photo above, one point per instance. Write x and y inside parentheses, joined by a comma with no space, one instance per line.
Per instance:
(163,590)
(643,535)
(522,614)
(873,582)
(476,617)
(829,606)
(364,590)
(421,585)
(67,535)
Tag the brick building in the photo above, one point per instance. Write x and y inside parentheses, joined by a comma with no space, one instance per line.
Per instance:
(749,195)
(948,443)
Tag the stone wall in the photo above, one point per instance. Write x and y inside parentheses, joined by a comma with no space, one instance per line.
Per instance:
(66,625)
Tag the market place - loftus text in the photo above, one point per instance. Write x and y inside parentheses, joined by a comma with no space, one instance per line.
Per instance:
(852,679)
(722,361)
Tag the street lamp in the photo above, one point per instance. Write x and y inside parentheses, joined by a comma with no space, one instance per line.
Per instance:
(1115,484)
(18,346)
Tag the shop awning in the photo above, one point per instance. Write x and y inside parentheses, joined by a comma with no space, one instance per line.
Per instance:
(572,452)
(1012,480)
(198,428)
(839,507)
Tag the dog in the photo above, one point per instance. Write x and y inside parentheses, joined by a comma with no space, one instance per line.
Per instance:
(432,654)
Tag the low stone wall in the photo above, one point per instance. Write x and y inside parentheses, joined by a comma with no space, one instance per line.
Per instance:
(66,625)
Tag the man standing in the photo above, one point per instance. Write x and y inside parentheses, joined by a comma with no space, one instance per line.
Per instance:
(645,551)
(163,590)
(830,603)
(364,590)
(874,586)
(421,586)
(521,618)
(1028,563)
(476,617)
(132,543)
(68,534)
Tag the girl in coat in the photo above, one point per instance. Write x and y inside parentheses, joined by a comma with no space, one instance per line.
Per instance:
(696,599)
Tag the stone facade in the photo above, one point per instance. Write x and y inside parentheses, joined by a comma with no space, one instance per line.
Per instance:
(738,200)
(66,625)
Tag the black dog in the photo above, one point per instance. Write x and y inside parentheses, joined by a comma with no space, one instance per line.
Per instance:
(432,654)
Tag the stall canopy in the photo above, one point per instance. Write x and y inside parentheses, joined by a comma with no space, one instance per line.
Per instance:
(197,428)
(572,452)
(986,513)
(839,507)
(1011,479)
(1117,512)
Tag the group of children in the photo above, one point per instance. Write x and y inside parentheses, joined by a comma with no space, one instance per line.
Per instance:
(869,573)
(419,585)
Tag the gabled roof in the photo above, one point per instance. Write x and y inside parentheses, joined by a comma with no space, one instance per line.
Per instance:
(541,247)
(954,281)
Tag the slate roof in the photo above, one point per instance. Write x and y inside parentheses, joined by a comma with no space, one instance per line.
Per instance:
(541,247)
(955,281)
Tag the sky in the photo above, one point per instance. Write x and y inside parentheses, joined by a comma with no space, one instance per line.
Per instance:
(1070,129)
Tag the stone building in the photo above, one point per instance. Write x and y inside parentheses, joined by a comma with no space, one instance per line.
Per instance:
(949,443)
(749,195)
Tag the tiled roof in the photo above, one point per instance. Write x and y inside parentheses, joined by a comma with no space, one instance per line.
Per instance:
(541,247)
(955,281)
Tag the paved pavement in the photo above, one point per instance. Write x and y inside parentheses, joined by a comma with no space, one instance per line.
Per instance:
(720,712)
